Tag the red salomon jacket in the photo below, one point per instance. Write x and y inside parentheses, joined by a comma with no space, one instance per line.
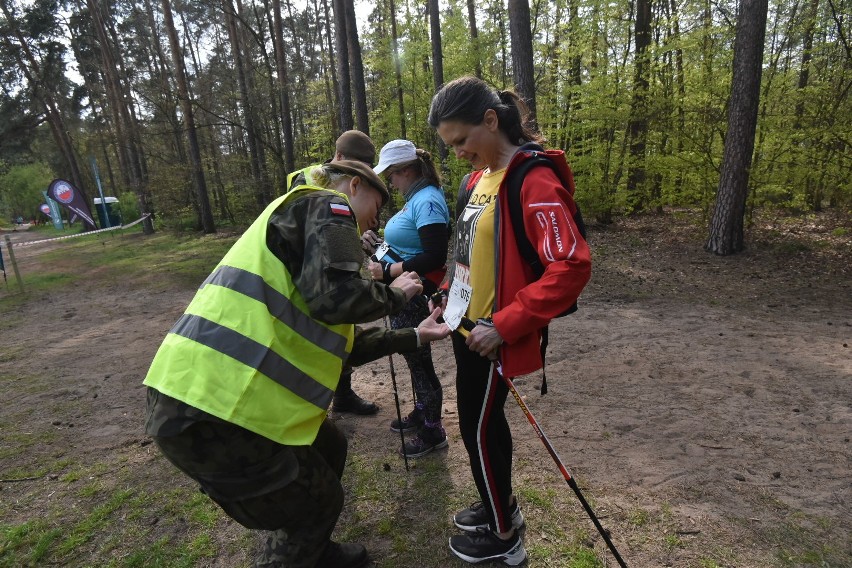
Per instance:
(524,305)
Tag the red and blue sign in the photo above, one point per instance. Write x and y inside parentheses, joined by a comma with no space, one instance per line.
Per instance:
(64,193)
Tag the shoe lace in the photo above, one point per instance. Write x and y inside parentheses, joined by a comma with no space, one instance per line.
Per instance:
(484,535)
(476,506)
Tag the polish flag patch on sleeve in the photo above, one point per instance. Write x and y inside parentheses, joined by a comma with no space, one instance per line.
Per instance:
(339,209)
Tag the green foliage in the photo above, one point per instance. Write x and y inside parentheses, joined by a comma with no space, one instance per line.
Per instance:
(128,207)
(585,87)
(21,188)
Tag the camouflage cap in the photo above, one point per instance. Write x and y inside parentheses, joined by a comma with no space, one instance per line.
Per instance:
(363,171)
(355,145)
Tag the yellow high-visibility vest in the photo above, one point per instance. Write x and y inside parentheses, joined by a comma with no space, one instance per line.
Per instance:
(247,349)
(291,177)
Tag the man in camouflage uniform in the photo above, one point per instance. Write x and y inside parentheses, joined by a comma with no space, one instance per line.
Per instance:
(292,490)
(351,145)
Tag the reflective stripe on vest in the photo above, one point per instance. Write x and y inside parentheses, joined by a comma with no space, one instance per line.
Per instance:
(279,306)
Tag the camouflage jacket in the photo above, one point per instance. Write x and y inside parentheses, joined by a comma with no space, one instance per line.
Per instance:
(322,252)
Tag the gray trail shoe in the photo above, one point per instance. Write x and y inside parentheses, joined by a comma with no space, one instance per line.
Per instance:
(485,546)
(474,517)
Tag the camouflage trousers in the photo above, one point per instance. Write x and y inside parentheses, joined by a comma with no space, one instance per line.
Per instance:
(293,491)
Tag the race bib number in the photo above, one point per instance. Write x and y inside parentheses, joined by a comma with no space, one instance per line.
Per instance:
(459,298)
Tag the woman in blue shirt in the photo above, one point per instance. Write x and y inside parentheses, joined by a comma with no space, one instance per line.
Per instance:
(416,240)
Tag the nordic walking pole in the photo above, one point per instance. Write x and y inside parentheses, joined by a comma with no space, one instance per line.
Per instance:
(469,325)
(396,400)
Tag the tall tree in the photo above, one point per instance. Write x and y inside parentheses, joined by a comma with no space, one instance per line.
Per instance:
(356,69)
(332,67)
(397,66)
(523,70)
(205,213)
(726,226)
(283,86)
(638,126)
(438,63)
(474,37)
(341,44)
(131,160)
(37,77)
(257,158)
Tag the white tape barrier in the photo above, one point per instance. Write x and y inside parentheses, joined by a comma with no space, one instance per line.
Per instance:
(136,222)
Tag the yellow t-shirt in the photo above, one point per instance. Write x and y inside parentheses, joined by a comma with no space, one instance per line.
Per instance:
(475,254)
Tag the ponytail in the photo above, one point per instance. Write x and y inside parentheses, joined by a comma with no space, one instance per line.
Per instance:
(427,167)
(467,98)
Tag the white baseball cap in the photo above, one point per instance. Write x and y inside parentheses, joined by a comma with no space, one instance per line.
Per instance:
(395,152)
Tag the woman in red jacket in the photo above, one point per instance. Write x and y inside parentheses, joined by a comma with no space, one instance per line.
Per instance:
(492,284)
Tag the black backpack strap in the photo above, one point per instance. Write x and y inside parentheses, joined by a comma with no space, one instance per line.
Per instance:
(516,213)
(462,196)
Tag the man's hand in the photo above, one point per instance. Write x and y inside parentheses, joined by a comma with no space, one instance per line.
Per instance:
(430,330)
(485,340)
(409,283)
(369,241)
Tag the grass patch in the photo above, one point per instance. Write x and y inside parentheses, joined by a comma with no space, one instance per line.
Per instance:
(165,553)
(91,489)
(84,531)
(10,352)
(127,256)
(35,537)
(25,473)
(808,541)
(638,517)
(673,541)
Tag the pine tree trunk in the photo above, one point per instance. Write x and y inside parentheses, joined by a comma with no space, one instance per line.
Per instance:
(474,38)
(726,226)
(356,70)
(523,70)
(164,71)
(438,64)
(283,87)
(397,69)
(256,159)
(206,214)
(332,62)
(130,154)
(341,43)
(638,126)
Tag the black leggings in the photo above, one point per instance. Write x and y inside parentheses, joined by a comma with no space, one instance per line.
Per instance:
(427,387)
(481,397)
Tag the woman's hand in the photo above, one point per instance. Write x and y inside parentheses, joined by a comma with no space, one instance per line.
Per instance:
(485,340)
(369,241)
(409,283)
(430,330)
(376,270)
